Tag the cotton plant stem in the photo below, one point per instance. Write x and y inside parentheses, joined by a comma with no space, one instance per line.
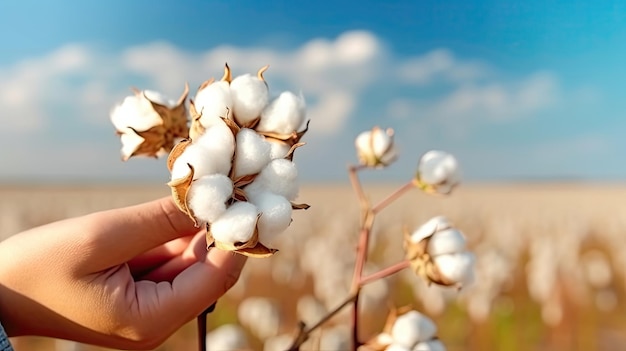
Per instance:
(393,196)
(201,322)
(304,332)
(383,273)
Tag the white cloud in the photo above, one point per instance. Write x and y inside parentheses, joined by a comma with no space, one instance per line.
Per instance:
(336,76)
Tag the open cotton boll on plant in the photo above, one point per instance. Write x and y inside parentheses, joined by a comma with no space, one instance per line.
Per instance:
(250,96)
(209,195)
(284,115)
(236,224)
(280,177)
(253,153)
(411,328)
(275,214)
(213,102)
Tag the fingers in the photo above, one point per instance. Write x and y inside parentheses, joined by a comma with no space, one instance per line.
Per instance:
(197,287)
(159,256)
(116,236)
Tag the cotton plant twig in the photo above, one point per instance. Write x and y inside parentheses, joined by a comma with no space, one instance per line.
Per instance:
(368,214)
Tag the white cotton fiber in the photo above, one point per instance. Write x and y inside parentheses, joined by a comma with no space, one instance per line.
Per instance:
(446,241)
(213,102)
(429,228)
(252,152)
(457,267)
(280,177)
(275,215)
(197,156)
(432,345)
(135,112)
(237,224)
(396,347)
(411,328)
(130,142)
(250,96)
(159,98)
(278,149)
(219,143)
(284,115)
(208,195)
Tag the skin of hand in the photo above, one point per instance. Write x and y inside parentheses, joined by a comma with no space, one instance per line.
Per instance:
(125,278)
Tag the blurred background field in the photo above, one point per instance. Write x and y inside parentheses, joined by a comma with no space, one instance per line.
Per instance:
(550,265)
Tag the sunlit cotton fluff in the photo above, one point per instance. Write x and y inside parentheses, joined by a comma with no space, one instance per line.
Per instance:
(252,152)
(278,149)
(159,98)
(275,215)
(208,195)
(457,267)
(396,347)
(250,96)
(227,337)
(219,142)
(213,102)
(412,328)
(236,225)
(432,345)
(197,156)
(284,115)
(438,170)
(280,177)
(431,226)
(376,148)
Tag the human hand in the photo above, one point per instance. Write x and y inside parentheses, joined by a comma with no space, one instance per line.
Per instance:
(124,278)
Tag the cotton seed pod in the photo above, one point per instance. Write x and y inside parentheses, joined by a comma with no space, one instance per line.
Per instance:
(284,115)
(275,215)
(149,124)
(437,172)
(376,148)
(208,196)
(437,252)
(250,96)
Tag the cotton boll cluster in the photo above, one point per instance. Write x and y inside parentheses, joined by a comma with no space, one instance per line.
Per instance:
(437,252)
(150,124)
(235,174)
(407,331)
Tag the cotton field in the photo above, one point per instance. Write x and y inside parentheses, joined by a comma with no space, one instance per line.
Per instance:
(550,268)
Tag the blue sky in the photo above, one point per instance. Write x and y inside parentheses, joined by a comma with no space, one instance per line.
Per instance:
(516,91)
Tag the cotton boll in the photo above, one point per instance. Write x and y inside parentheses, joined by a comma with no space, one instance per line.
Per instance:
(457,267)
(440,170)
(275,215)
(135,112)
(432,345)
(201,159)
(213,102)
(252,152)
(278,149)
(227,337)
(219,142)
(280,177)
(208,195)
(411,328)
(250,95)
(429,228)
(284,115)
(237,224)
(446,241)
